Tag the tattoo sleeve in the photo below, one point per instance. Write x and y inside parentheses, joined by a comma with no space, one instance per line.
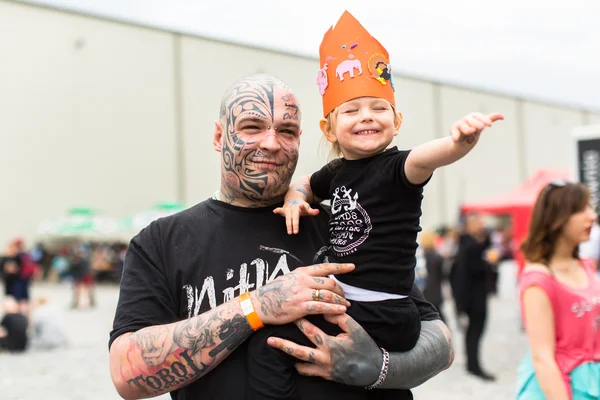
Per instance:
(432,354)
(163,358)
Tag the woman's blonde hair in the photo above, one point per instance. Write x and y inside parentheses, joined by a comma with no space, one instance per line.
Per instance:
(329,123)
(553,208)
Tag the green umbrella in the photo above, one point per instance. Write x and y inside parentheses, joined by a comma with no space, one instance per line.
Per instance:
(143,218)
(81,222)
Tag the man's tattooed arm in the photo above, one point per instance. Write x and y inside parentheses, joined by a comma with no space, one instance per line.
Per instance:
(353,358)
(163,358)
(432,354)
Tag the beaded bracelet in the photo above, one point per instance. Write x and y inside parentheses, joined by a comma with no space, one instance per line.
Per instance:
(384,370)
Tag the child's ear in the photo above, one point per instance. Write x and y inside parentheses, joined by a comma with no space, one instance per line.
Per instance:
(397,122)
(327,131)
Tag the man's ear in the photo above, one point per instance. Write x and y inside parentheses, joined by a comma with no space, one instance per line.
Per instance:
(218,137)
(326,129)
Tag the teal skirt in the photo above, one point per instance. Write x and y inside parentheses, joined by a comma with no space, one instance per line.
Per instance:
(585,381)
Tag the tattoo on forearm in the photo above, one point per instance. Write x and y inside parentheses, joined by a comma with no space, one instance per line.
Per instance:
(432,354)
(170,376)
(194,347)
(230,334)
(194,335)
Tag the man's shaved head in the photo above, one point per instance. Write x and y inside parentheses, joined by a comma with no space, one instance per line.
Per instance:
(260,136)
(257,82)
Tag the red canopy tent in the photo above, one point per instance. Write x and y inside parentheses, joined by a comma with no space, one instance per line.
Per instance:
(518,203)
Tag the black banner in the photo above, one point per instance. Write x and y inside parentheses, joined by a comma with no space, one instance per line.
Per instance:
(588,162)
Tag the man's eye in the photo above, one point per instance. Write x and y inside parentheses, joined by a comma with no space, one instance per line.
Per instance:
(250,127)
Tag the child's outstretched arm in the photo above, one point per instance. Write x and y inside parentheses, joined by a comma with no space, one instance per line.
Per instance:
(464,134)
(297,204)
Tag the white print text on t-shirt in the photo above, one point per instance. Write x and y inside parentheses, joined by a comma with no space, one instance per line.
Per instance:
(196,297)
(350,224)
(585,306)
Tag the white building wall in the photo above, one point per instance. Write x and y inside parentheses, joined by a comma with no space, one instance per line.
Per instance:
(593,119)
(87,116)
(494,165)
(415,100)
(116,117)
(547,132)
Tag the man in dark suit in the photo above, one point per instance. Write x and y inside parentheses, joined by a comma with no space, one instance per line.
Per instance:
(470,277)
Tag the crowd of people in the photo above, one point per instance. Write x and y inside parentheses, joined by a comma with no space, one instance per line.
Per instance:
(34,323)
(465,260)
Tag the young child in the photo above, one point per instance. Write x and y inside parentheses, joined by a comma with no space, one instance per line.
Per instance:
(375,193)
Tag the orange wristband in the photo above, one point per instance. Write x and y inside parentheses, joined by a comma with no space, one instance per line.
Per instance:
(248,310)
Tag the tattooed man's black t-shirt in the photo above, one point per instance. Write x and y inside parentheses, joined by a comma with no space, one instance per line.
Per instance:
(186,264)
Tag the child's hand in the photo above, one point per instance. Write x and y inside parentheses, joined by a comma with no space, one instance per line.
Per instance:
(292,211)
(469,127)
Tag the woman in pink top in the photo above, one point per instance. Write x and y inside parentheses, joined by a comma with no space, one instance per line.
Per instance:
(560,299)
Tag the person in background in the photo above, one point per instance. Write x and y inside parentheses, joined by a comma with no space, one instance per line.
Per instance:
(434,263)
(28,272)
(48,326)
(13,327)
(83,286)
(559,295)
(590,249)
(10,267)
(470,276)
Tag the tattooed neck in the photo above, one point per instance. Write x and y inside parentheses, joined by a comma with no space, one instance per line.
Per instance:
(226,196)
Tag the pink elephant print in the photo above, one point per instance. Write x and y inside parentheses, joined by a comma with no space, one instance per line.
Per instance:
(322,79)
(348,66)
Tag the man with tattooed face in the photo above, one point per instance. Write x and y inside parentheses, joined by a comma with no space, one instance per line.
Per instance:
(197,284)
(260,144)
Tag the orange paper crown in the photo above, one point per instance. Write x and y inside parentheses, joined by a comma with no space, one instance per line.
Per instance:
(353,64)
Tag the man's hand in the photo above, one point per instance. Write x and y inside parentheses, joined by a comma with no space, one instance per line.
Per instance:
(305,291)
(292,211)
(468,128)
(351,357)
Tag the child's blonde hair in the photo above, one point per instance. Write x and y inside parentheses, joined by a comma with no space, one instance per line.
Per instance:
(328,125)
